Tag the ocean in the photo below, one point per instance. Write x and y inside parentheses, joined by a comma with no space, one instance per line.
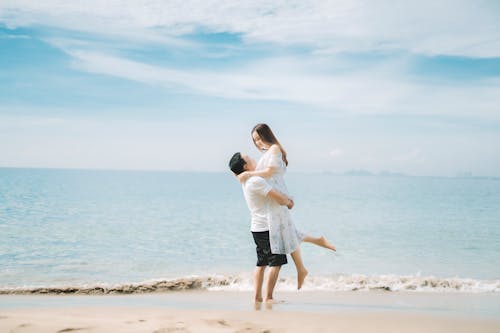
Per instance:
(106,230)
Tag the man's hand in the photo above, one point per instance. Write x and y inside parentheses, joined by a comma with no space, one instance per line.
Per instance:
(280,198)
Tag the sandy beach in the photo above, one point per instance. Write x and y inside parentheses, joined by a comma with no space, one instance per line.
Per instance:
(232,312)
(116,319)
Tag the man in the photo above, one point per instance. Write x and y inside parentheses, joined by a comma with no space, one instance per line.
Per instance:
(258,194)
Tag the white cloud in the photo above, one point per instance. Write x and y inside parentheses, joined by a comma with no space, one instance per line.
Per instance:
(317,79)
(461,28)
(320,79)
(378,89)
(9,36)
(336,152)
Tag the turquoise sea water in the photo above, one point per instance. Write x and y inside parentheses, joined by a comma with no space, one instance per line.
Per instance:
(84,227)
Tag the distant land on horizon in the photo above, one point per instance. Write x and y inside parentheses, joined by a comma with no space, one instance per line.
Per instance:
(385,173)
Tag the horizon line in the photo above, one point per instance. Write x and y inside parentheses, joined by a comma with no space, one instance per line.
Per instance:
(350,172)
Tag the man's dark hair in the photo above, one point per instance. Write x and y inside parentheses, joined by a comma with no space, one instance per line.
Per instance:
(237,164)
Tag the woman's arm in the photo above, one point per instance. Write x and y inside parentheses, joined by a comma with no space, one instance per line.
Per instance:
(264,173)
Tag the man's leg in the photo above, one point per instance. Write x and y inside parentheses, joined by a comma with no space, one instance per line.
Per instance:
(258,279)
(272,278)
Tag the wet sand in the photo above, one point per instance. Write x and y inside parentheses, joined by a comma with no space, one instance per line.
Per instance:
(234,312)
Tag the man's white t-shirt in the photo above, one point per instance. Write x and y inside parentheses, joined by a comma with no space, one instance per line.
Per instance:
(255,190)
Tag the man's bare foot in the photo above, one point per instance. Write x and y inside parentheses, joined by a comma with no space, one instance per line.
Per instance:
(257,306)
(273,301)
(301,276)
(258,300)
(325,243)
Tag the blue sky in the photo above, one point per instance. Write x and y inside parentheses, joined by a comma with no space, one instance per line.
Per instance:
(177,85)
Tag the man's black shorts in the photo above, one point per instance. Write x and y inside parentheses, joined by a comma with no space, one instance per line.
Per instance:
(264,255)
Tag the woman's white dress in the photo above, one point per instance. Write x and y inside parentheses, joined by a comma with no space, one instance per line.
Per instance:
(283,235)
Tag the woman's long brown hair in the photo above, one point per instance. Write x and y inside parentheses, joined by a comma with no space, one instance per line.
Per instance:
(268,137)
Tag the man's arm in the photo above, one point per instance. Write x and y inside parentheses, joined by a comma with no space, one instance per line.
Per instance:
(280,198)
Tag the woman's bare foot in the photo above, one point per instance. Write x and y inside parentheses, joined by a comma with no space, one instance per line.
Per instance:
(325,243)
(301,276)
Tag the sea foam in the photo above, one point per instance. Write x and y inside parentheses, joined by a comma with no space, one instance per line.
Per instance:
(243,282)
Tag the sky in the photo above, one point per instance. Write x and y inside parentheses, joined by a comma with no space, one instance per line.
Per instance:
(399,86)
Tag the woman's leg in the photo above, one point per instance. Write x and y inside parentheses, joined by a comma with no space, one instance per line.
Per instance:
(320,241)
(301,269)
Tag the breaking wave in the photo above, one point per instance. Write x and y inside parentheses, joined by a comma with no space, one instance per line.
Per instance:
(353,282)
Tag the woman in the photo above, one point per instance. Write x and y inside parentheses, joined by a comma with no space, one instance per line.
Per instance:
(283,236)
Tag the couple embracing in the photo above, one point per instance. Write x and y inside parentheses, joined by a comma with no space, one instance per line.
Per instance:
(269,203)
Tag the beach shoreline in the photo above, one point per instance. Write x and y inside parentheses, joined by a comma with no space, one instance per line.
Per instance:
(223,311)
